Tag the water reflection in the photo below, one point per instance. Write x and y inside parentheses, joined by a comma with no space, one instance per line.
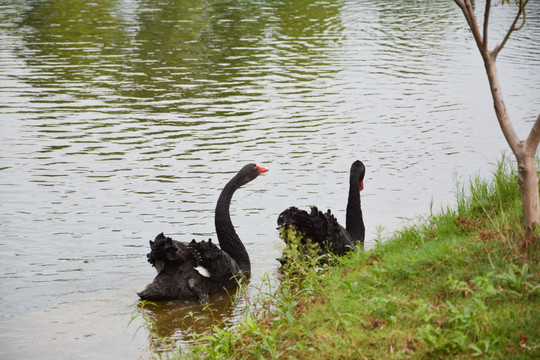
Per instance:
(181,319)
(181,56)
(122,119)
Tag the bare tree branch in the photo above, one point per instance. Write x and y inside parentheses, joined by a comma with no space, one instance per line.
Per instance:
(522,6)
(486,22)
(521,10)
(468,11)
(534,136)
(461,5)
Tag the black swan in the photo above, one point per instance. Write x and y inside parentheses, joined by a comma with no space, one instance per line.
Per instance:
(198,269)
(322,228)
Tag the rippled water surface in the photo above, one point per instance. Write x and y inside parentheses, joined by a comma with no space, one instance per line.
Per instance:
(121,119)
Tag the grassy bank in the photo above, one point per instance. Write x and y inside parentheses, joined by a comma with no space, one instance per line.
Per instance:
(458,284)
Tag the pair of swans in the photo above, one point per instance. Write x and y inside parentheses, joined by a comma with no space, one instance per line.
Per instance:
(198,269)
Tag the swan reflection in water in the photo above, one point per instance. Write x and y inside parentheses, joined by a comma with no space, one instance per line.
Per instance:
(176,321)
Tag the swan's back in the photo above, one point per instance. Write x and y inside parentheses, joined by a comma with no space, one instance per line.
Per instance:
(188,271)
(317,227)
(163,251)
(217,264)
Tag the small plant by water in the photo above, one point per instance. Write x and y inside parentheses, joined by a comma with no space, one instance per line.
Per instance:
(458,284)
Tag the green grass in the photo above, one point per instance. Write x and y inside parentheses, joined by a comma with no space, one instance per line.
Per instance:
(458,284)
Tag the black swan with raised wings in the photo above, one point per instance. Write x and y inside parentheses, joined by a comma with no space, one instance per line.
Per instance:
(198,269)
(322,228)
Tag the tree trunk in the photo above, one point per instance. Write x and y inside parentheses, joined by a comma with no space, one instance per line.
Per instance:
(528,182)
(524,151)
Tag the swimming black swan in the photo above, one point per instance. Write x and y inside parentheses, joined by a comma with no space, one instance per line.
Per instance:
(198,269)
(322,228)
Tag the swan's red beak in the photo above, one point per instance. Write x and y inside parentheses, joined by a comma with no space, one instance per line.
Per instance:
(261,169)
(361,185)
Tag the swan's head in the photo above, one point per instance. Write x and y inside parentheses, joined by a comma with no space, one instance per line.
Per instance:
(358,171)
(250,172)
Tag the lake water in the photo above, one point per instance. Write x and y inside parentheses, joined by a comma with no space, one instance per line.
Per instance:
(122,119)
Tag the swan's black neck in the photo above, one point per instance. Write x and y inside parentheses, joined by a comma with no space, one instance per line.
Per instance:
(227,237)
(354,220)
